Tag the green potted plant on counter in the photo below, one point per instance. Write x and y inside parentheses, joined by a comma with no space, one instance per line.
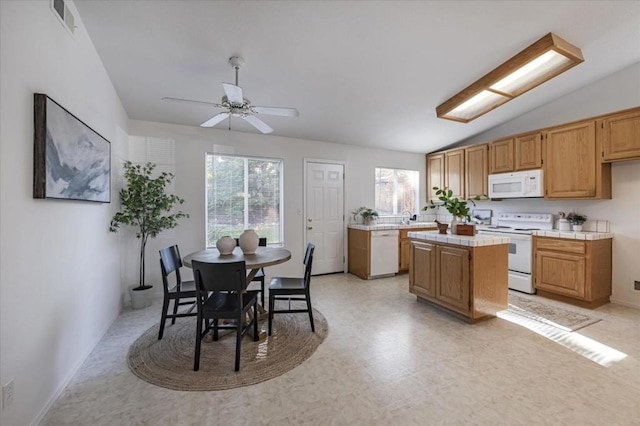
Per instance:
(459,209)
(577,220)
(145,204)
(368,214)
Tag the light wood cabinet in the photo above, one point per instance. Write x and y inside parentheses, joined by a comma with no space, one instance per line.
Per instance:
(528,151)
(501,156)
(572,166)
(476,170)
(471,282)
(435,174)
(454,172)
(577,272)
(621,136)
(359,248)
(404,246)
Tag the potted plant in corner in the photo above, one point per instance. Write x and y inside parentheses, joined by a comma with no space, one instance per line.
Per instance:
(368,214)
(145,206)
(456,207)
(577,220)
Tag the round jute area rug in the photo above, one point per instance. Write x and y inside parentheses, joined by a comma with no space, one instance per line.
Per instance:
(169,362)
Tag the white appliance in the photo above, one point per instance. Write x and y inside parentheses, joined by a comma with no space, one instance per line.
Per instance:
(519,227)
(525,184)
(384,252)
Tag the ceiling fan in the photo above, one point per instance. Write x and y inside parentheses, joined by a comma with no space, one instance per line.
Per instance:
(238,106)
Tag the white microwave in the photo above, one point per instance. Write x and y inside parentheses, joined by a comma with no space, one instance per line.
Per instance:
(525,184)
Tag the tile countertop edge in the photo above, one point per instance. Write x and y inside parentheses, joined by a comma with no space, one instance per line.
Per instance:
(390,226)
(460,240)
(571,235)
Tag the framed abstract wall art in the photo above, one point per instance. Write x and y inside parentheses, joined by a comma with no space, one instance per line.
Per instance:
(71,161)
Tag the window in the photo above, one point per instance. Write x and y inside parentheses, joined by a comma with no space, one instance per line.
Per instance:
(243,193)
(396,191)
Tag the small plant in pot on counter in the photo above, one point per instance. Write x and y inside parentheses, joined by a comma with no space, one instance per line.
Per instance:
(577,220)
(459,209)
(368,214)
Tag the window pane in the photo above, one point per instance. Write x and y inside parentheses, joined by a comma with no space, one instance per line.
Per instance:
(242,193)
(396,191)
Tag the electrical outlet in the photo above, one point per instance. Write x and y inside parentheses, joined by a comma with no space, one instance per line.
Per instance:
(7,394)
(636,285)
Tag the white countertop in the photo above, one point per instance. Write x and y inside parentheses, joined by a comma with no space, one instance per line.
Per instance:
(571,235)
(386,226)
(461,240)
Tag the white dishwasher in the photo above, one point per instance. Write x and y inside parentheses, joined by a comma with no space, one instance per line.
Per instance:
(384,252)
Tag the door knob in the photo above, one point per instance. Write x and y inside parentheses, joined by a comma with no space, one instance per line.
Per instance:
(309,220)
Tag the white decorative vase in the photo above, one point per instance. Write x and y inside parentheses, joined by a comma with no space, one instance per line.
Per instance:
(140,299)
(226,244)
(454,225)
(368,221)
(577,228)
(249,241)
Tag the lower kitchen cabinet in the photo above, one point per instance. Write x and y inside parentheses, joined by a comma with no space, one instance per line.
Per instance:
(576,272)
(404,244)
(471,282)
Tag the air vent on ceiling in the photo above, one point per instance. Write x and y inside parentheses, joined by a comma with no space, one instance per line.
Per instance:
(64,15)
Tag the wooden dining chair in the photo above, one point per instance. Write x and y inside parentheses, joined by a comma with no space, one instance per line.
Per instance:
(221,295)
(259,277)
(284,288)
(170,263)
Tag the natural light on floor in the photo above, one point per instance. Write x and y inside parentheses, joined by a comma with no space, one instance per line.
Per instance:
(588,348)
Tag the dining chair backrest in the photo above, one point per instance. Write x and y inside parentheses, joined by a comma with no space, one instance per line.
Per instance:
(308,260)
(218,277)
(170,262)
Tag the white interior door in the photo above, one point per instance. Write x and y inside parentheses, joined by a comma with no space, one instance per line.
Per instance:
(324,222)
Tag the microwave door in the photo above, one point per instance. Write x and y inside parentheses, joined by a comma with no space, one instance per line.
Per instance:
(507,188)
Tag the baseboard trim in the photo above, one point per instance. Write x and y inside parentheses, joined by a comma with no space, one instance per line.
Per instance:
(63,385)
(625,303)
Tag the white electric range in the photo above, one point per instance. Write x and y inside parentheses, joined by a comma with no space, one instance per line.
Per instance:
(519,228)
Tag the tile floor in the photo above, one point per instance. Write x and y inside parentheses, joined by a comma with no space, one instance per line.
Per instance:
(388,359)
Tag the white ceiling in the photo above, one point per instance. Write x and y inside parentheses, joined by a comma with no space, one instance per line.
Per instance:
(359,72)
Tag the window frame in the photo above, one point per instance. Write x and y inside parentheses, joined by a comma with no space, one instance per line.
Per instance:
(396,169)
(246,158)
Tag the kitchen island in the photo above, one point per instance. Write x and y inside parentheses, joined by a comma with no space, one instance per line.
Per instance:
(465,275)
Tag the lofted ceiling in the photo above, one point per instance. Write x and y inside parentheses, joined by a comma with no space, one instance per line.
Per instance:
(368,73)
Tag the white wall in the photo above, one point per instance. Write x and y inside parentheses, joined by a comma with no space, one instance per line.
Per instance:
(616,92)
(193,142)
(59,266)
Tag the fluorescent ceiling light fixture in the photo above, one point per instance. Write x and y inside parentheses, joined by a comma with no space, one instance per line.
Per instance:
(543,60)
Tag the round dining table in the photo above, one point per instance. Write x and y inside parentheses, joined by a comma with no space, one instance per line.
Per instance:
(263,257)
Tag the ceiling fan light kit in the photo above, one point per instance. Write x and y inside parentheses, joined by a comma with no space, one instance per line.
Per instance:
(238,106)
(540,62)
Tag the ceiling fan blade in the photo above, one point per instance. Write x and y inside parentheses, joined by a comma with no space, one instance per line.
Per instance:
(285,112)
(192,101)
(233,92)
(258,124)
(215,119)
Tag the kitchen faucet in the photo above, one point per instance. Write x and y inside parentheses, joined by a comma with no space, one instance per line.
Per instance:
(406,221)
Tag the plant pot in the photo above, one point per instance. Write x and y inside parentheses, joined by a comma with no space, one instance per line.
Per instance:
(248,241)
(140,297)
(577,228)
(225,245)
(368,221)
(454,225)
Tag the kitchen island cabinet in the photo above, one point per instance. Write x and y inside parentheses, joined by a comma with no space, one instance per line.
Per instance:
(467,276)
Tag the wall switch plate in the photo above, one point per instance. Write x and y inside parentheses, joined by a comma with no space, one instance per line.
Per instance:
(636,285)
(7,394)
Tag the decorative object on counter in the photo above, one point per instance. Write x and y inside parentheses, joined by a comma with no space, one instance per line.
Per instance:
(248,241)
(482,217)
(466,229)
(563,224)
(145,204)
(442,227)
(225,245)
(368,214)
(456,207)
(577,220)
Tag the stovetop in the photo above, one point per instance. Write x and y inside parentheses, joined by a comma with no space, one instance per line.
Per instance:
(520,223)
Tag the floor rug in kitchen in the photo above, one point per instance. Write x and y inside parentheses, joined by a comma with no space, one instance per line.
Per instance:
(549,314)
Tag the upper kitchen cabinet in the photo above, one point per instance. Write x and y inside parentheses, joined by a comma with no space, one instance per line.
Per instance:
(476,160)
(501,155)
(528,151)
(522,152)
(454,171)
(572,163)
(621,136)
(435,174)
